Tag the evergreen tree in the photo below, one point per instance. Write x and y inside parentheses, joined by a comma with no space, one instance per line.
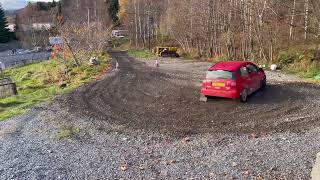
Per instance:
(113,10)
(5,34)
(53,4)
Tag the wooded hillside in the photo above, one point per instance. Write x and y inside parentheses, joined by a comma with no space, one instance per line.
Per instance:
(245,29)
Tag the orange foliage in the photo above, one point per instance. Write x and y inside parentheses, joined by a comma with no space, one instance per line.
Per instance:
(122,11)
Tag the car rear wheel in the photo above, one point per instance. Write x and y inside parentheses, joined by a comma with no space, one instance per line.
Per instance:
(244,96)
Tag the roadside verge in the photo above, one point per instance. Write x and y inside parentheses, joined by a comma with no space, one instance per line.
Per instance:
(42,81)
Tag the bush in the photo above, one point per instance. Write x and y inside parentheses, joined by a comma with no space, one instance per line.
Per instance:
(287,58)
(192,54)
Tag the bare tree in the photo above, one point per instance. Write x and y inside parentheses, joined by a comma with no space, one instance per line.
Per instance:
(246,29)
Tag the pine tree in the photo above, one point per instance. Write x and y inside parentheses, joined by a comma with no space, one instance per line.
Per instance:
(113,10)
(53,4)
(5,34)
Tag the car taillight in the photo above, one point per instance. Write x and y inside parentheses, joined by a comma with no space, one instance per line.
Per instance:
(231,84)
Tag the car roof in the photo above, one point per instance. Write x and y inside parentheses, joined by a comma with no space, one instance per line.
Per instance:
(229,65)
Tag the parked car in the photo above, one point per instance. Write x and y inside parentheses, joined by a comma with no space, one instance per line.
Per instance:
(119,33)
(233,79)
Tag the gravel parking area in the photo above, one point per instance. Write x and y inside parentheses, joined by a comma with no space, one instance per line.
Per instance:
(141,122)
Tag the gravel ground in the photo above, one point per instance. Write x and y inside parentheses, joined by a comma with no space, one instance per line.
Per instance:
(111,129)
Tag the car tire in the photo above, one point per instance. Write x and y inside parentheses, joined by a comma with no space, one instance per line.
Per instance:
(263,84)
(244,96)
(164,55)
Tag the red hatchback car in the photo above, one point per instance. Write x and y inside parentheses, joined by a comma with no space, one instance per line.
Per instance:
(233,79)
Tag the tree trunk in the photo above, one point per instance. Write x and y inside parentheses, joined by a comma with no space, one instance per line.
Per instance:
(306,19)
(293,14)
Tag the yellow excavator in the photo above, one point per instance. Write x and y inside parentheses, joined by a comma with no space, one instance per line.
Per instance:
(167,51)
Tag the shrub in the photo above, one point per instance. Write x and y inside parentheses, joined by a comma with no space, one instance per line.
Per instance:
(287,58)
(317,55)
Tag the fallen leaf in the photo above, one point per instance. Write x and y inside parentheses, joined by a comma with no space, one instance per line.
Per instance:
(124,167)
(212,174)
(234,164)
(186,140)
(246,173)
(172,162)
(264,134)
(258,178)
(254,136)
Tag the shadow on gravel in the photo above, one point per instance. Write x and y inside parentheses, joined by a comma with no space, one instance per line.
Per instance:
(274,94)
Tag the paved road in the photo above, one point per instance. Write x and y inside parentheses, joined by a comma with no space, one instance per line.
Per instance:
(146,123)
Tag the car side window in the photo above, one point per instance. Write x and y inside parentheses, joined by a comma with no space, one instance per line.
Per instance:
(244,72)
(252,69)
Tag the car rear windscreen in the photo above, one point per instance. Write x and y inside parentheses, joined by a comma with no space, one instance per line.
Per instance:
(220,74)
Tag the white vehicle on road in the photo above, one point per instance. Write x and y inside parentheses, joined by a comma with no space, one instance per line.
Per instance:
(118,33)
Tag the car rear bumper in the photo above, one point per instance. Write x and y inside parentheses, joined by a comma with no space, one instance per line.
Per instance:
(233,94)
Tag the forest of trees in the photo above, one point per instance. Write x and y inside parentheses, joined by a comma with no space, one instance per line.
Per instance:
(80,11)
(245,29)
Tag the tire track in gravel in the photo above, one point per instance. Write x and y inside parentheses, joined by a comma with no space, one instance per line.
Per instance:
(142,97)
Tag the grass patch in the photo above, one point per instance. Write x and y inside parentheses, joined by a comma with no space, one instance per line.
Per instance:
(141,54)
(67,132)
(301,59)
(311,73)
(41,82)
